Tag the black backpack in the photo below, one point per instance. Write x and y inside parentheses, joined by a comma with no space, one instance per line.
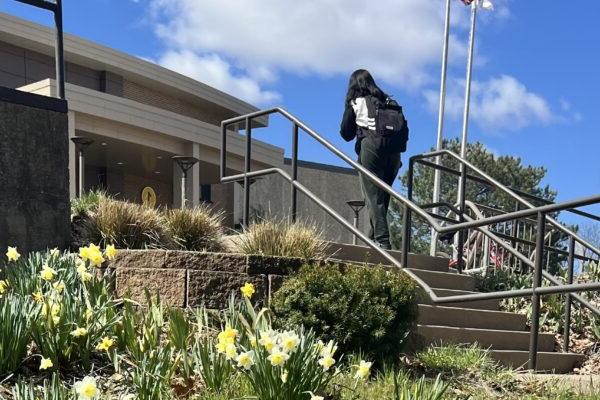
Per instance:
(389,121)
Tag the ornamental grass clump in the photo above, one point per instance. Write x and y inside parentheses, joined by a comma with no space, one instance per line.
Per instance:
(364,309)
(284,239)
(126,225)
(194,229)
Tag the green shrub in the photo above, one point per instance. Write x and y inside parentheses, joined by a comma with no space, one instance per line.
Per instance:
(282,238)
(195,229)
(367,309)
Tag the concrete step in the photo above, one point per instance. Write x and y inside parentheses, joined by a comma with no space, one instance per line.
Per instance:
(558,363)
(362,254)
(446,280)
(492,305)
(470,318)
(485,338)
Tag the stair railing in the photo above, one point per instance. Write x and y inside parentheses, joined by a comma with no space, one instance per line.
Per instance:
(539,212)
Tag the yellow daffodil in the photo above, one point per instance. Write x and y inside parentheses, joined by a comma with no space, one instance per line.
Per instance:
(46,363)
(221,346)
(245,360)
(289,341)
(110,252)
(59,287)
(253,341)
(79,332)
(278,358)
(84,275)
(266,341)
(88,314)
(247,290)
(326,362)
(328,350)
(47,273)
(12,254)
(38,297)
(54,309)
(3,286)
(86,388)
(55,252)
(314,396)
(96,259)
(227,336)
(84,253)
(364,369)
(230,351)
(105,344)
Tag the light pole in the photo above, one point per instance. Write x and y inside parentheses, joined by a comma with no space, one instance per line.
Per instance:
(440,130)
(81,143)
(185,163)
(356,206)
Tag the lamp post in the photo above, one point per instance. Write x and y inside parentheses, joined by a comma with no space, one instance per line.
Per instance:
(356,206)
(185,163)
(81,143)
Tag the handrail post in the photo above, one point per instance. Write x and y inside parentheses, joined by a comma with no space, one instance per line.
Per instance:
(535,298)
(246,212)
(461,234)
(223,168)
(294,194)
(406,221)
(568,300)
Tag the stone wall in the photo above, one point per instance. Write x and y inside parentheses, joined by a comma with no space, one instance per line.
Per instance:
(34,175)
(185,278)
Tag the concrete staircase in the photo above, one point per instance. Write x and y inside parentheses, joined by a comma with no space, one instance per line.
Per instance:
(504,334)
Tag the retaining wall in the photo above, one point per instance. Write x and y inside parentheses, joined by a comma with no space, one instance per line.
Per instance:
(186,278)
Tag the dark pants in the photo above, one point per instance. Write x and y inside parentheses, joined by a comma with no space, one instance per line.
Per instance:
(385,165)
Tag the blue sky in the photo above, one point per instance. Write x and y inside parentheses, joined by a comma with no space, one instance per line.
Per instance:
(536,73)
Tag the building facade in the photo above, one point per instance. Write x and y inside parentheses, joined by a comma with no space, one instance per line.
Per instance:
(139,115)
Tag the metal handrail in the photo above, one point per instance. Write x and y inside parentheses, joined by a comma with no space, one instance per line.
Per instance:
(536,291)
(506,190)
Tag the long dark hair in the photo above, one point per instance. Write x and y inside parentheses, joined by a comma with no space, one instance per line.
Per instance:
(362,84)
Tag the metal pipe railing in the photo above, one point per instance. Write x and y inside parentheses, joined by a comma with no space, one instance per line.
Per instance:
(508,191)
(466,222)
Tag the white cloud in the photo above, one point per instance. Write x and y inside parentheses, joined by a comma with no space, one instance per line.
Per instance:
(398,40)
(499,104)
(215,71)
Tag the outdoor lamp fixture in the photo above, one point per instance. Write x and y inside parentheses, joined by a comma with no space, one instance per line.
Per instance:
(356,206)
(81,143)
(185,163)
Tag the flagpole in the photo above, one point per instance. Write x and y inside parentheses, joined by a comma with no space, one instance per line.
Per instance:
(440,129)
(465,130)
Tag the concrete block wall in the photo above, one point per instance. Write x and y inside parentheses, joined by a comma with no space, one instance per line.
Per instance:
(185,278)
(34,175)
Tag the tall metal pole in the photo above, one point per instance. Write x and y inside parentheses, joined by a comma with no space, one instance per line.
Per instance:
(463,144)
(59,52)
(440,130)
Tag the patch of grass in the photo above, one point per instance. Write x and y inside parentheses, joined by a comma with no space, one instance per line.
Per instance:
(283,238)
(195,229)
(455,359)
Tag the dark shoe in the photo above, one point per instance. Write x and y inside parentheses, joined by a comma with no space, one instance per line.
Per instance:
(385,246)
